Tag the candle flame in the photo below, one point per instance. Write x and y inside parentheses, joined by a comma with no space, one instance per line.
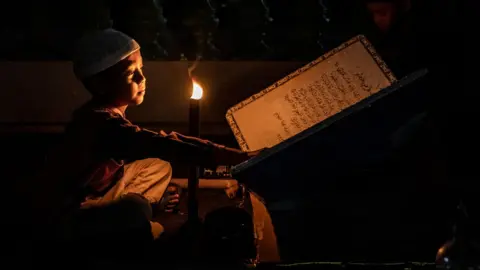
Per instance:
(197,91)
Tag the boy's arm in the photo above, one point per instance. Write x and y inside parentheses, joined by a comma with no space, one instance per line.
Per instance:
(124,140)
(197,141)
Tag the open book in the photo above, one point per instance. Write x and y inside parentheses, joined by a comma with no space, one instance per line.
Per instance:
(330,84)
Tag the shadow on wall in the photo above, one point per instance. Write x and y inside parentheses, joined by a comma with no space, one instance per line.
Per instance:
(44,94)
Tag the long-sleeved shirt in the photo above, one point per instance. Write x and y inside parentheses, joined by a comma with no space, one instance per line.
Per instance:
(97,143)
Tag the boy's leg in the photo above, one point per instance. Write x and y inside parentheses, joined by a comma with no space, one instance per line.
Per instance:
(148,177)
(129,211)
(108,228)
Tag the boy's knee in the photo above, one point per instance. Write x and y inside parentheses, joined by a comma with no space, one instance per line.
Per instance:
(162,164)
(161,168)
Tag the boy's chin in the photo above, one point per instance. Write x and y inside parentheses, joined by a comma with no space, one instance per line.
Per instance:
(137,101)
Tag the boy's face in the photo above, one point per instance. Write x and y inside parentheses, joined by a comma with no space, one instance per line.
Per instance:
(126,82)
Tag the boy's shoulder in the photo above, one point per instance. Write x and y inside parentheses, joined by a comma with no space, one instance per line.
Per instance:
(93,118)
(92,112)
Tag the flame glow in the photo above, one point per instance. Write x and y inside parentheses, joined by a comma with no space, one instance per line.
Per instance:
(197,91)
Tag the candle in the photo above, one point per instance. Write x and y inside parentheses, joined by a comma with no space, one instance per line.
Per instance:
(194,130)
(194,115)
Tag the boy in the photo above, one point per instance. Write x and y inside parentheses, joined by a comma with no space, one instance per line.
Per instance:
(106,163)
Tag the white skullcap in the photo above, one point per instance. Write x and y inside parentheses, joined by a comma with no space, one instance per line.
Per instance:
(97,51)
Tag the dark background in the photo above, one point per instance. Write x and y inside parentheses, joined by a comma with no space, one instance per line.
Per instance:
(438,35)
(216,29)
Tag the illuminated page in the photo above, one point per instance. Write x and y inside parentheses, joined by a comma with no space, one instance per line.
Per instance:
(311,94)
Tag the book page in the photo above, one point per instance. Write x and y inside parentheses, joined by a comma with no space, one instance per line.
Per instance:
(308,96)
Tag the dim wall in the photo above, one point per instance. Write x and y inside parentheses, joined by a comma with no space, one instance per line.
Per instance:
(41,96)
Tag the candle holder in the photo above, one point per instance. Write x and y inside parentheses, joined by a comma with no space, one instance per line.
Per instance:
(194,171)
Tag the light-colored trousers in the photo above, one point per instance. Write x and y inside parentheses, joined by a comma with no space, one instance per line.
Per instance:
(147,177)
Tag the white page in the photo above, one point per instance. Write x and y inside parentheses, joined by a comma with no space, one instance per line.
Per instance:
(324,87)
